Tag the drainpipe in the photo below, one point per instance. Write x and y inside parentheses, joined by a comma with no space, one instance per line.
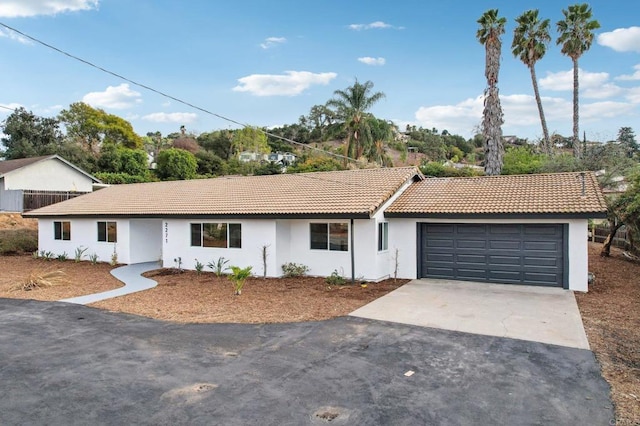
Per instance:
(353,258)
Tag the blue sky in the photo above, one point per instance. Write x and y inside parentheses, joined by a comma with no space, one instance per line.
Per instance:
(266,63)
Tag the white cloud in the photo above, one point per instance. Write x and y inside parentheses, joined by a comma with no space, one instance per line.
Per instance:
(115,97)
(368,60)
(631,77)
(8,108)
(633,95)
(593,85)
(12,35)
(24,8)
(270,42)
(597,110)
(171,117)
(291,83)
(458,119)
(166,104)
(621,39)
(377,25)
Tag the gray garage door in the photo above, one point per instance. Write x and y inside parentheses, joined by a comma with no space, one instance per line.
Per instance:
(510,254)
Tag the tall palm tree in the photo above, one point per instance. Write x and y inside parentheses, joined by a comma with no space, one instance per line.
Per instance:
(491,28)
(530,39)
(352,105)
(576,36)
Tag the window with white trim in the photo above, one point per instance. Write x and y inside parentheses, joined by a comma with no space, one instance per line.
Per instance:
(221,235)
(108,232)
(383,236)
(329,236)
(62,230)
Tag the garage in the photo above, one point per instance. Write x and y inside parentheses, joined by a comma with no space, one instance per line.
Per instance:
(526,254)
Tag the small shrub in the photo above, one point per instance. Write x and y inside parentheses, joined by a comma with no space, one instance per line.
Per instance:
(93,258)
(80,253)
(48,255)
(291,269)
(335,278)
(62,257)
(18,241)
(238,277)
(35,254)
(219,266)
(199,267)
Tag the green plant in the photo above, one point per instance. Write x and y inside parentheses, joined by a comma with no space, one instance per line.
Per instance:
(335,278)
(35,254)
(18,241)
(291,269)
(80,253)
(238,276)
(48,255)
(62,257)
(93,258)
(219,266)
(199,267)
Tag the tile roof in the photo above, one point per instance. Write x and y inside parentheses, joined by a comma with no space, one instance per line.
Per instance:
(553,193)
(350,192)
(11,165)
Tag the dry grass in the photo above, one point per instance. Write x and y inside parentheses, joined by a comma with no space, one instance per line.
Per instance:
(42,279)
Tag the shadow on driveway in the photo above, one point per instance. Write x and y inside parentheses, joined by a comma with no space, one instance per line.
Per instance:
(70,364)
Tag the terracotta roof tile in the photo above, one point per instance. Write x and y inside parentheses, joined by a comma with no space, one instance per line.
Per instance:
(554,193)
(343,192)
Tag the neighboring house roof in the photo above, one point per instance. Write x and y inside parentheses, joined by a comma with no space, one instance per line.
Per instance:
(565,194)
(351,193)
(9,166)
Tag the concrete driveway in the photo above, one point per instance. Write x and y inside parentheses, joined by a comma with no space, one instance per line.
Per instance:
(65,364)
(539,314)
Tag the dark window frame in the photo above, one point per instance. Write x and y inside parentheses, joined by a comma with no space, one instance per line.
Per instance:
(232,235)
(329,236)
(107,231)
(62,230)
(383,236)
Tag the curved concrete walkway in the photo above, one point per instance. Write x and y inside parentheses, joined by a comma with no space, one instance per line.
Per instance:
(130,275)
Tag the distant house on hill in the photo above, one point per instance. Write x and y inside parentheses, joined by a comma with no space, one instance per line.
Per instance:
(29,183)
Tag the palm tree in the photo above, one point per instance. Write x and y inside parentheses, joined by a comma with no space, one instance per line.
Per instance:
(491,28)
(530,39)
(576,36)
(352,105)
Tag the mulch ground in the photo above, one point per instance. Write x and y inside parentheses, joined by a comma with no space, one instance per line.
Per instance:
(192,297)
(78,279)
(611,316)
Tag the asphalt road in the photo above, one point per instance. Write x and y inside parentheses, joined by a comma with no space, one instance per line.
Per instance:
(63,364)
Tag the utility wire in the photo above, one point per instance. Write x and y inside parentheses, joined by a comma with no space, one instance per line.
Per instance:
(166,95)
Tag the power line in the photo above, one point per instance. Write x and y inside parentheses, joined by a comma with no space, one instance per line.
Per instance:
(166,95)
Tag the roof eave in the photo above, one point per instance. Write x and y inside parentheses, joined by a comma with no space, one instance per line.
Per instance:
(498,215)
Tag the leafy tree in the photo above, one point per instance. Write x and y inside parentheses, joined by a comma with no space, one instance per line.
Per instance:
(187,143)
(575,36)
(530,40)
(491,28)
(306,164)
(627,139)
(176,164)
(319,120)
(625,210)
(91,127)
(268,169)
(250,139)
(27,135)
(521,160)
(153,143)
(121,178)
(436,169)
(351,106)
(218,142)
(209,163)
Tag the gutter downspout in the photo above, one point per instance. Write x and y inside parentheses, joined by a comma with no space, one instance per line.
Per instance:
(353,258)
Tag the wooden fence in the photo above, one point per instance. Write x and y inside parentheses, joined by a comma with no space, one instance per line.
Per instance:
(35,199)
(599,233)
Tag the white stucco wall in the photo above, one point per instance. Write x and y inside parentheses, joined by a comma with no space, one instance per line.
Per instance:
(84,232)
(176,242)
(403,235)
(146,240)
(48,175)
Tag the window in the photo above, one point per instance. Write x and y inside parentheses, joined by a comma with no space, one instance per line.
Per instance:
(221,235)
(383,236)
(62,231)
(108,232)
(329,236)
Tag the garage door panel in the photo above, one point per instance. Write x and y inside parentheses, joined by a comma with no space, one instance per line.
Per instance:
(471,244)
(502,253)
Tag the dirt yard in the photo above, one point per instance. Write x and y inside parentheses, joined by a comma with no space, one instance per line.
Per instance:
(16,221)
(611,317)
(610,311)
